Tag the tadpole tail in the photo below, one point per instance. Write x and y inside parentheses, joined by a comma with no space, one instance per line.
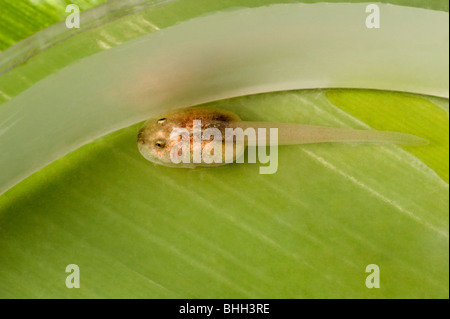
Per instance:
(289,134)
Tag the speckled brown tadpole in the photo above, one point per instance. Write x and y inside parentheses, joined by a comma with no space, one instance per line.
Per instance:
(183,132)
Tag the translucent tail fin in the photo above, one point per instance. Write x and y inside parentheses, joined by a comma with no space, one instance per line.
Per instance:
(305,134)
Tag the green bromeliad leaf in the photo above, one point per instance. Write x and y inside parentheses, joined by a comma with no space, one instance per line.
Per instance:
(42,13)
(410,114)
(20,19)
(308,231)
(140,230)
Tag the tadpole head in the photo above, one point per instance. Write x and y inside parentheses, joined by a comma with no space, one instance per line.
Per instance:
(152,141)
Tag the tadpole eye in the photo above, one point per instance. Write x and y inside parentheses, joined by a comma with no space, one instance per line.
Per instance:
(162,121)
(160,143)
